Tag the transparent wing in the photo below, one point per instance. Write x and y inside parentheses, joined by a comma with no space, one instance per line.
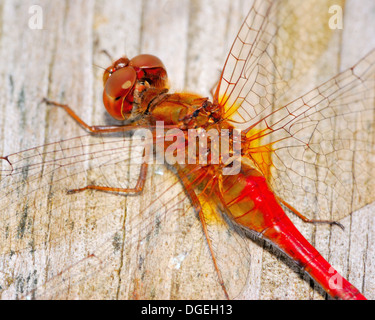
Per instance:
(103,245)
(317,151)
(320,147)
(272,53)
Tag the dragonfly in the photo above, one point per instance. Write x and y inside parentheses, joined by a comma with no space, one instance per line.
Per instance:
(58,167)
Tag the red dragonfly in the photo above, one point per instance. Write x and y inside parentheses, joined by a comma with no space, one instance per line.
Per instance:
(274,130)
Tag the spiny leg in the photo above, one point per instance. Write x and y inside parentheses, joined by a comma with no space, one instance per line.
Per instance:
(93,129)
(137,189)
(197,206)
(305,219)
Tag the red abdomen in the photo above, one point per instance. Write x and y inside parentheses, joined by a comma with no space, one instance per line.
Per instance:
(253,206)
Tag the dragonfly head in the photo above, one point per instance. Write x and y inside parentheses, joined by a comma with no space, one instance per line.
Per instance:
(124,77)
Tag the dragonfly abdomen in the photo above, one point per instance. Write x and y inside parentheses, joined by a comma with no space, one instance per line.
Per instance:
(253,206)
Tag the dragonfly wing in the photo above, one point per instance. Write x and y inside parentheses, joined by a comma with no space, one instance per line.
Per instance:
(270,55)
(228,245)
(97,244)
(47,250)
(316,151)
(322,145)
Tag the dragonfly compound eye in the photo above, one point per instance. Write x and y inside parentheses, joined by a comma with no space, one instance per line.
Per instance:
(117,95)
(150,68)
(118,64)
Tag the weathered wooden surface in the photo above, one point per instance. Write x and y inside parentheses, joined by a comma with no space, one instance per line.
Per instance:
(84,252)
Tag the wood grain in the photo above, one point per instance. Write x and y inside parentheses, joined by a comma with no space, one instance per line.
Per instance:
(84,253)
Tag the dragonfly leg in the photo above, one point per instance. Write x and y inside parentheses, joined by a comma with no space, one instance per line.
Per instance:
(93,129)
(305,219)
(137,189)
(197,206)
